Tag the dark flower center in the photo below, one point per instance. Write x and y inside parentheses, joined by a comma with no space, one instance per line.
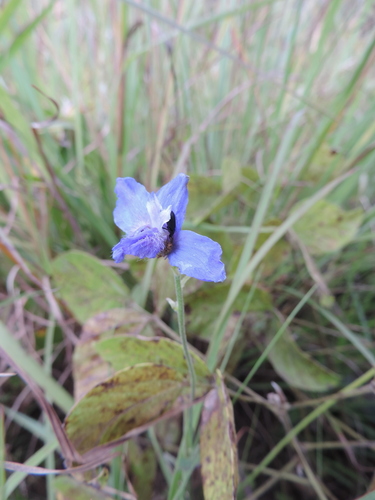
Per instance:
(171,225)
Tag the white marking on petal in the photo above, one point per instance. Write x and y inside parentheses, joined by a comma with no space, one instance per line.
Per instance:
(158,215)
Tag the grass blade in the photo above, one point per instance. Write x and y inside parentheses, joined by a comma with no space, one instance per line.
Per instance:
(53,390)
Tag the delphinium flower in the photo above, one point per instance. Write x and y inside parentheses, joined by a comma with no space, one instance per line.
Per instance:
(152,225)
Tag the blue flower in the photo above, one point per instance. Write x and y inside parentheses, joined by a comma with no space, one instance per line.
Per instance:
(152,225)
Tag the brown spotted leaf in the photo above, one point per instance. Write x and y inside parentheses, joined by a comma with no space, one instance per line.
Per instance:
(122,351)
(132,398)
(88,367)
(218,445)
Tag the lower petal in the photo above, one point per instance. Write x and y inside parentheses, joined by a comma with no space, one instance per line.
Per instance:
(147,243)
(118,252)
(197,256)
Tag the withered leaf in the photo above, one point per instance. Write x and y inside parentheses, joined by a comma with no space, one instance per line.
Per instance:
(218,445)
(131,398)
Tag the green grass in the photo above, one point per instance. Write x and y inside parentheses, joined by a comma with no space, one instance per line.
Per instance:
(268,106)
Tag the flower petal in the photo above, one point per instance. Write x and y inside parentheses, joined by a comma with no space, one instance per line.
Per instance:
(145,243)
(118,252)
(197,256)
(131,207)
(158,215)
(175,194)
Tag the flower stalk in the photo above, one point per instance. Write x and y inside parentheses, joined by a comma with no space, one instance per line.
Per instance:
(182,331)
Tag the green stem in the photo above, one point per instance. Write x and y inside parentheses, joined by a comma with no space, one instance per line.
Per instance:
(181,475)
(182,331)
(159,454)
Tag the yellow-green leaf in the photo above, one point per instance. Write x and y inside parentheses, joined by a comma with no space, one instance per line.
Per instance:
(326,164)
(86,285)
(299,369)
(327,227)
(122,351)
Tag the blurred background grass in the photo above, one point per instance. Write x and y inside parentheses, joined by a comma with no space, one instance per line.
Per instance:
(269,107)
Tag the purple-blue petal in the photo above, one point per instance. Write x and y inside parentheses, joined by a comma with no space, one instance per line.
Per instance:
(197,256)
(131,210)
(118,252)
(146,243)
(175,193)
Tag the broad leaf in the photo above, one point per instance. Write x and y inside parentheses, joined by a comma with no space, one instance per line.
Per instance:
(88,367)
(326,164)
(218,445)
(86,285)
(299,369)
(132,398)
(114,322)
(327,227)
(122,351)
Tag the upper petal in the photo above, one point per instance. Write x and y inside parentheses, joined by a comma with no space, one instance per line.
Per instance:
(131,206)
(175,194)
(158,215)
(197,256)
